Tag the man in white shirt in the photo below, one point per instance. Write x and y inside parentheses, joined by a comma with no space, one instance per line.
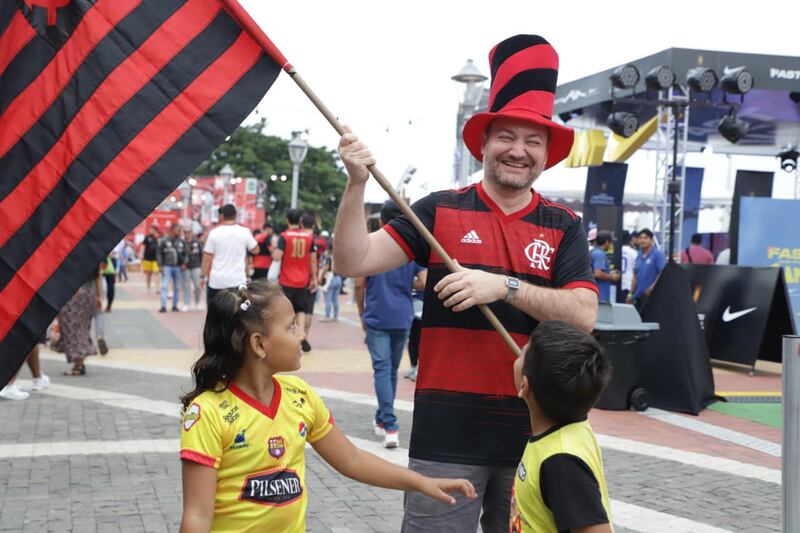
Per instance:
(629,254)
(225,253)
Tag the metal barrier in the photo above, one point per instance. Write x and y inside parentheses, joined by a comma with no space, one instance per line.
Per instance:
(790,471)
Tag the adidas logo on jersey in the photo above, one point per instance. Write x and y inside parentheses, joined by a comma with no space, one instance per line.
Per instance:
(471,238)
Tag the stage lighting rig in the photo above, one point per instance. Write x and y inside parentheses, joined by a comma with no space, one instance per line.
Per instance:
(623,123)
(660,78)
(625,77)
(732,128)
(788,158)
(702,79)
(737,81)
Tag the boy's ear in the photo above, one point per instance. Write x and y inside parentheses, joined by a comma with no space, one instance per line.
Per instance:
(524,388)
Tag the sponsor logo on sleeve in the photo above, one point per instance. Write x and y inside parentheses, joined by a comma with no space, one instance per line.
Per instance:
(274,488)
(191,416)
(303,429)
(521,472)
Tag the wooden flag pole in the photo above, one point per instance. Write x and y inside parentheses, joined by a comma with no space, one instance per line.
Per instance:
(260,37)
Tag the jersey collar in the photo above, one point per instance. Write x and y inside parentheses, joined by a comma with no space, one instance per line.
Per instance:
(510,217)
(271,410)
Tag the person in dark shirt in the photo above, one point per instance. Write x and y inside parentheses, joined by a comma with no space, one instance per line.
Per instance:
(560,484)
(150,255)
(190,276)
(171,261)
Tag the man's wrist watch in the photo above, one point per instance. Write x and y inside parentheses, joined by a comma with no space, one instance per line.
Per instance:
(512,286)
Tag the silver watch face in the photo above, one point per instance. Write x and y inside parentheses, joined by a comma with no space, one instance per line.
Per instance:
(512,283)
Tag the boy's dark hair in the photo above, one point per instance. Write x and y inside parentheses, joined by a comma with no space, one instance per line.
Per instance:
(307,221)
(389,211)
(227,331)
(697,238)
(228,212)
(566,369)
(626,237)
(646,232)
(602,238)
(293,215)
(267,225)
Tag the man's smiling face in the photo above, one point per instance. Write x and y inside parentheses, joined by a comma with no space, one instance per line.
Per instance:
(514,153)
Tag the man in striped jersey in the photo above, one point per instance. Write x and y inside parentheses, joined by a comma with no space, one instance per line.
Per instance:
(523,255)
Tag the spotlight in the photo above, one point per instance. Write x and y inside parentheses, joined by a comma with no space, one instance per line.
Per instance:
(625,77)
(702,79)
(789,159)
(660,78)
(732,128)
(737,81)
(623,123)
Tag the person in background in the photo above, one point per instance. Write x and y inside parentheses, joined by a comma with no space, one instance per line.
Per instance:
(225,253)
(331,285)
(190,276)
(171,262)
(649,264)
(602,266)
(121,264)
(629,255)
(40,379)
(386,309)
(298,276)
(109,273)
(75,322)
(262,259)
(150,255)
(697,254)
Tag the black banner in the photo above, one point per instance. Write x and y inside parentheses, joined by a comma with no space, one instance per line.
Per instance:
(748,183)
(602,204)
(677,369)
(744,311)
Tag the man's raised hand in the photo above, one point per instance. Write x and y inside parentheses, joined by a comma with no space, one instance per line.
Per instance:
(355,156)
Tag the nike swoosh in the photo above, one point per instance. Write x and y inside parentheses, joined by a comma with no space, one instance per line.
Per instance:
(726,70)
(727,316)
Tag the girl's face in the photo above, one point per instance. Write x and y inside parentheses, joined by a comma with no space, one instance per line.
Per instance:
(282,343)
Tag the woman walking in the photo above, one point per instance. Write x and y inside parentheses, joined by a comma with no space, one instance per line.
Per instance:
(75,321)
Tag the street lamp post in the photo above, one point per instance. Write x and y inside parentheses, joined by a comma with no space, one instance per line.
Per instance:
(473,90)
(298,148)
(192,182)
(227,179)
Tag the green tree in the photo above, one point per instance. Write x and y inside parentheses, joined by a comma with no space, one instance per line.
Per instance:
(253,154)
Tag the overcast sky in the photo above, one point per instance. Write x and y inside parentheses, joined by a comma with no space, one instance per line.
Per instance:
(384,69)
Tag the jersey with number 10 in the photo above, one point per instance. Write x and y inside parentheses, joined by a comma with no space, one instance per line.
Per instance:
(297,246)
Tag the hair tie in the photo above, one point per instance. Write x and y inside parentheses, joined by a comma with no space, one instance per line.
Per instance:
(245,305)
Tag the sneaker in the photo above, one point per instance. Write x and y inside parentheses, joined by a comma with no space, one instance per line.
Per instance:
(392,439)
(11,392)
(41,382)
(175,308)
(306,347)
(185,308)
(102,346)
(411,374)
(162,310)
(378,428)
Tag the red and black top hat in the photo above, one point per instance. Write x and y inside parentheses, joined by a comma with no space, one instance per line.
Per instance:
(524,76)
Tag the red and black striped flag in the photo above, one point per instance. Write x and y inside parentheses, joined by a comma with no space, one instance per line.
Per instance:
(105,107)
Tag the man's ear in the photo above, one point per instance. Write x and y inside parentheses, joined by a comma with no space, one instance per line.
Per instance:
(524,388)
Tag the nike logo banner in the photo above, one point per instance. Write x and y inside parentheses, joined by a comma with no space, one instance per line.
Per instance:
(105,107)
(729,316)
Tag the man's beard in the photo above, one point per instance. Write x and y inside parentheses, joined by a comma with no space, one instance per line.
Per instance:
(495,175)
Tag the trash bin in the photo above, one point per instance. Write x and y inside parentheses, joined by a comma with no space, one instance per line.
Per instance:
(621,332)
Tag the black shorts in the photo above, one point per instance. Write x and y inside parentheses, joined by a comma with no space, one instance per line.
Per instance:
(259,273)
(300,299)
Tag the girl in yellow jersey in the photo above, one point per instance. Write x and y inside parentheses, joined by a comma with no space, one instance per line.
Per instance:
(245,427)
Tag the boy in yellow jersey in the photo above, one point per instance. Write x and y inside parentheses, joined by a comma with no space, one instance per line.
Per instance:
(560,485)
(245,427)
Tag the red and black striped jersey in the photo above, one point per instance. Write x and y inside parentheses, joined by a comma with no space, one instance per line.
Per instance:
(466,409)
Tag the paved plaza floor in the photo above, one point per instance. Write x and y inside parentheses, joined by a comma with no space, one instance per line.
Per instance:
(99,452)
